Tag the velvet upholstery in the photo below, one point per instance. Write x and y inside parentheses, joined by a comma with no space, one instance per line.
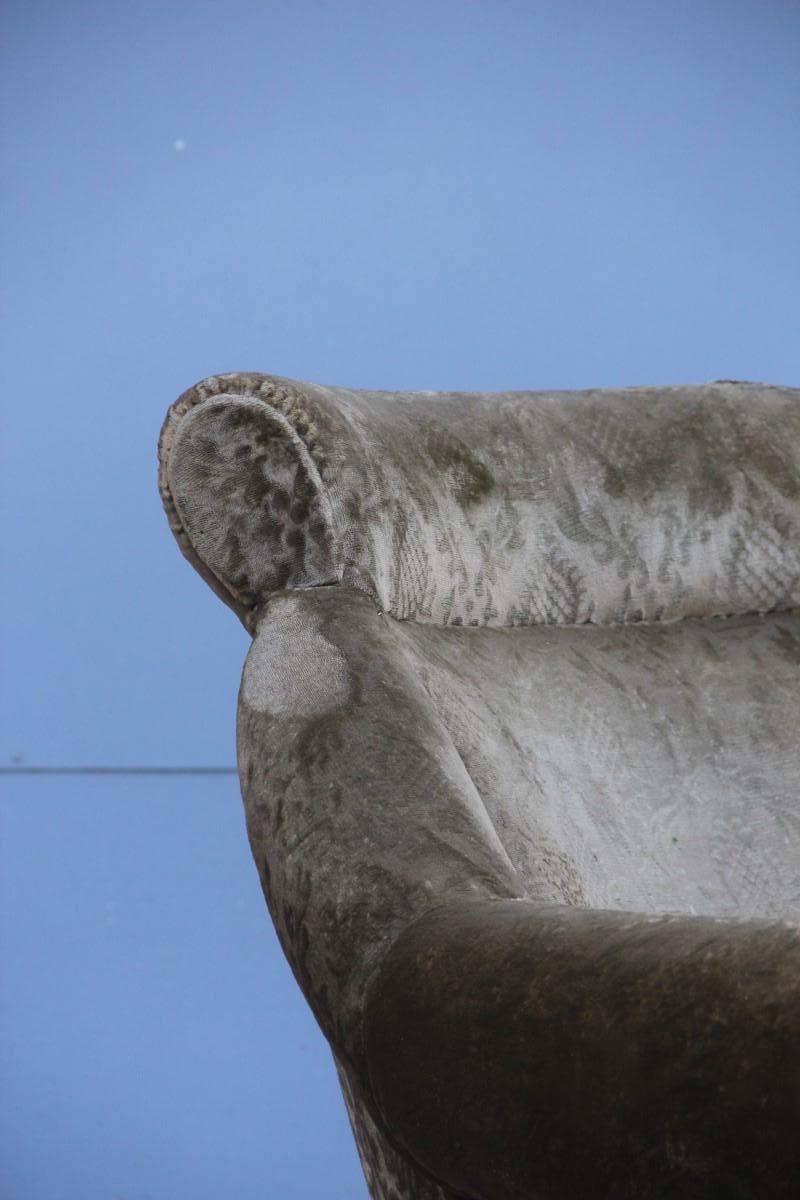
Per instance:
(518,744)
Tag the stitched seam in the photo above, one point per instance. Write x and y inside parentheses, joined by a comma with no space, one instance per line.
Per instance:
(790,610)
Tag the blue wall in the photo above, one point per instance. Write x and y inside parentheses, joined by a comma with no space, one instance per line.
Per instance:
(436,194)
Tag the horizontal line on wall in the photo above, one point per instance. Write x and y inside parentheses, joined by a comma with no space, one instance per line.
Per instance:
(20,770)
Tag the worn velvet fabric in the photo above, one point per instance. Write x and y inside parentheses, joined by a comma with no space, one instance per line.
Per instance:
(515,508)
(567,837)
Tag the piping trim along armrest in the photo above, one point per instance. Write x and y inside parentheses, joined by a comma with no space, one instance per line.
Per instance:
(239,475)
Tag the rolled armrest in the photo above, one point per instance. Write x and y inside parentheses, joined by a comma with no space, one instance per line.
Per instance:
(509,508)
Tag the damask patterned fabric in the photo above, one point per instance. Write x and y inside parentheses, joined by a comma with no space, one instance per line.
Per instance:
(389,768)
(492,509)
(603,764)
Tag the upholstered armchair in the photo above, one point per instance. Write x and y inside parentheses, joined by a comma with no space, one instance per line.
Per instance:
(519,745)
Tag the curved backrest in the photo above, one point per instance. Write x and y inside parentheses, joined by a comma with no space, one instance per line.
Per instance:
(646,768)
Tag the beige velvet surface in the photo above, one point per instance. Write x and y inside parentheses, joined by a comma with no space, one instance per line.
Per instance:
(650,768)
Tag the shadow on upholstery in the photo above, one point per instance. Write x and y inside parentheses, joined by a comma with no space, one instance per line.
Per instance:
(518,744)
